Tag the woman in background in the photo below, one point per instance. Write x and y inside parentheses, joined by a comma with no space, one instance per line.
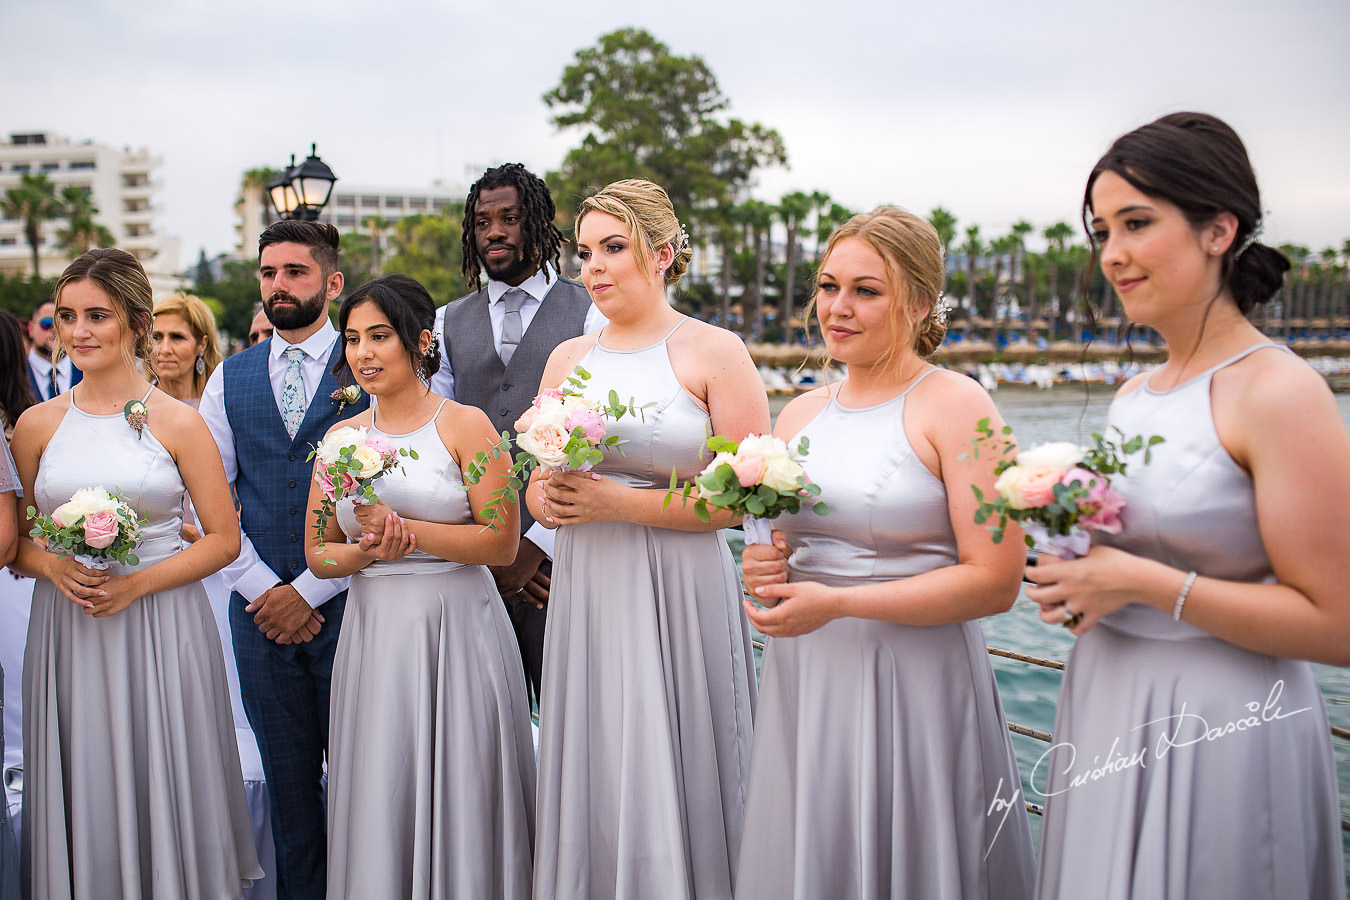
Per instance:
(1232,567)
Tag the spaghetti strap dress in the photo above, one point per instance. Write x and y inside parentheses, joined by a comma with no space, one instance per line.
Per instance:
(882,762)
(132,786)
(431,754)
(648,677)
(1184,766)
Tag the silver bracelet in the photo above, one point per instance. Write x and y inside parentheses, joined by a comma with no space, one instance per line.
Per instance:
(1181,596)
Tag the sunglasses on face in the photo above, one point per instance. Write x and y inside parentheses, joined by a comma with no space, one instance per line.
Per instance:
(45,323)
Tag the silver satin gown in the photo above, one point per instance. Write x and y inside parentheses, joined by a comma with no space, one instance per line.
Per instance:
(431,755)
(1184,766)
(882,763)
(648,677)
(132,786)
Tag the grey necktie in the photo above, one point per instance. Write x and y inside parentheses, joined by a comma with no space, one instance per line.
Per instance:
(511,324)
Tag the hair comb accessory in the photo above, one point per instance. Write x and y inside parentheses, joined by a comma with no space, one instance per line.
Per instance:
(1252,237)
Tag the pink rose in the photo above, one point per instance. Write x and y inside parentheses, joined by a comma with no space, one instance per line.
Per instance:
(1100,509)
(546,394)
(749,468)
(100,530)
(527,418)
(591,421)
(1037,486)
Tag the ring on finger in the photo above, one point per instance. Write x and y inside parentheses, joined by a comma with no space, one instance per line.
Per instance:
(1071,620)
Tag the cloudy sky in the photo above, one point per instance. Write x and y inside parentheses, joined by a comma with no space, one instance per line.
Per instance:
(996,109)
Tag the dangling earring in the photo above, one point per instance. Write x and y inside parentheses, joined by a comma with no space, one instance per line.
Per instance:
(201,366)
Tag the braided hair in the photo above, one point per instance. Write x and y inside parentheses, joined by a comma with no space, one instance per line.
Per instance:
(543,241)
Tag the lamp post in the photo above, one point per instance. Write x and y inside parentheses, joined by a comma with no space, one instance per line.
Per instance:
(301,192)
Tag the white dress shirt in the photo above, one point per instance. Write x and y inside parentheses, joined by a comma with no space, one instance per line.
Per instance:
(443,382)
(248,574)
(42,366)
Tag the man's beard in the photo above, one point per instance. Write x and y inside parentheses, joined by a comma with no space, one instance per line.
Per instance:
(303,314)
(513,270)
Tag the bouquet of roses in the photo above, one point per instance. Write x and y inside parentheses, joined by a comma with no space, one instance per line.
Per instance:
(760,478)
(95,526)
(1058,492)
(350,460)
(561,430)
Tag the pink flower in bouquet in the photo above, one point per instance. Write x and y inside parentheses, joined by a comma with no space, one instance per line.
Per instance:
(589,420)
(546,394)
(100,530)
(749,468)
(527,418)
(546,441)
(1101,507)
(1037,485)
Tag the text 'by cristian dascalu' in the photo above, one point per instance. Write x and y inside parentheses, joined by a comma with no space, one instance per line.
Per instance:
(1172,732)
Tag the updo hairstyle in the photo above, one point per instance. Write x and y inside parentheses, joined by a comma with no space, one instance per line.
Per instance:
(912,254)
(121,277)
(646,209)
(409,308)
(1197,163)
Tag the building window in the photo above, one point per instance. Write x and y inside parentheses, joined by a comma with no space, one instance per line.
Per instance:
(368,200)
(51,166)
(439,203)
(8,241)
(417,203)
(345,200)
(21,168)
(77,164)
(346,221)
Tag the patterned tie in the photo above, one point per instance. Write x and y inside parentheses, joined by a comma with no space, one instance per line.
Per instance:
(52,383)
(293,400)
(511,325)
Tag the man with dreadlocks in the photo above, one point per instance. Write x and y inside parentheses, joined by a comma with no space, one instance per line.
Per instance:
(495,342)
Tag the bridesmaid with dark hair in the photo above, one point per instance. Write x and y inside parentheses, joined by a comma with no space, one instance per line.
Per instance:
(1191,754)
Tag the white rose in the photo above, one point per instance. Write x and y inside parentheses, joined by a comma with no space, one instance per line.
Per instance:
(766,446)
(347,436)
(546,441)
(722,458)
(1007,484)
(781,474)
(1055,455)
(369,459)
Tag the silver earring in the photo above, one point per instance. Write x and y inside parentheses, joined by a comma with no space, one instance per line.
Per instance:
(1214,249)
(201,366)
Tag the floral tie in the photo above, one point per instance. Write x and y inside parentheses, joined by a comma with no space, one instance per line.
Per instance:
(293,400)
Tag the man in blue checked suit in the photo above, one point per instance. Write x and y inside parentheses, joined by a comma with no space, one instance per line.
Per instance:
(265,407)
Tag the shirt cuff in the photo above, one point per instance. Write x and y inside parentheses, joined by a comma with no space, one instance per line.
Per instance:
(542,538)
(318,591)
(256,581)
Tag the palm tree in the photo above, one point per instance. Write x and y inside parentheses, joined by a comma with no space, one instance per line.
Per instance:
(33,201)
(81,232)
(758,217)
(1016,266)
(1057,238)
(826,223)
(378,225)
(793,208)
(1000,247)
(972,249)
(945,225)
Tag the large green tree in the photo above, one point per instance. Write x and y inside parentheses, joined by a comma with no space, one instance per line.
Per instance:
(427,247)
(32,201)
(648,113)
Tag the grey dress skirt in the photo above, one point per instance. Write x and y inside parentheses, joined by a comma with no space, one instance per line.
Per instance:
(430,750)
(132,785)
(1184,766)
(648,677)
(9,853)
(882,763)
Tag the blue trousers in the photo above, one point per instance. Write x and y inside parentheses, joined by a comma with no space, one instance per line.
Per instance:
(285,692)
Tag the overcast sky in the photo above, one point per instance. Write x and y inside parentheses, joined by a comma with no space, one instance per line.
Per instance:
(995,109)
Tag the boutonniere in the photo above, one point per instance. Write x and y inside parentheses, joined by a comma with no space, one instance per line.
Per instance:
(344,395)
(137,416)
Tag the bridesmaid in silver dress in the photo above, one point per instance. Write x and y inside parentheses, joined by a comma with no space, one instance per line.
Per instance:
(132,786)
(10,495)
(1192,756)
(430,759)
(882,764)
(648,677)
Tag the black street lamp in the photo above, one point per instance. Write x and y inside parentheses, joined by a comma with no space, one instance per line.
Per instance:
(301,192)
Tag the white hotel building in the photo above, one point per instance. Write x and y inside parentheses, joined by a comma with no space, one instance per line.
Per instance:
(123,185)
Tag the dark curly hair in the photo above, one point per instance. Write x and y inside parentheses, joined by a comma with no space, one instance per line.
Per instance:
(543,241)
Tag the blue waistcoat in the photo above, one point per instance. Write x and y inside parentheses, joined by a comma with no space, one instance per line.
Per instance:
(274,476)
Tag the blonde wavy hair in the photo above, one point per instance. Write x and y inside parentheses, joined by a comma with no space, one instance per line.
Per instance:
(647,211)
(202,323)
